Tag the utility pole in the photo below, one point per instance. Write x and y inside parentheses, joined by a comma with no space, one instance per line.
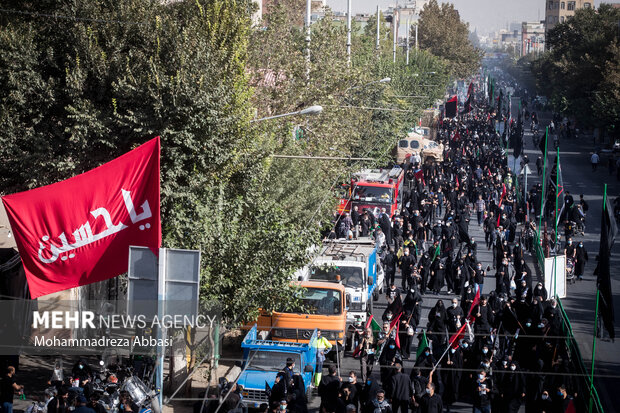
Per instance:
(416,35)
(308,18)
(395,25)
(408,27)
(349,32)
(378,35)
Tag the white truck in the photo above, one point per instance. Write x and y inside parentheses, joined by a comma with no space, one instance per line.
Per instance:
(356,264)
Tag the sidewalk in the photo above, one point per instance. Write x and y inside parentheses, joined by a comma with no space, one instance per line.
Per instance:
(581,297)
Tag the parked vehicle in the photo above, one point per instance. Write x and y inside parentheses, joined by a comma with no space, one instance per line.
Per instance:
(356,264)
(373,189)
(263,359)
(322,305)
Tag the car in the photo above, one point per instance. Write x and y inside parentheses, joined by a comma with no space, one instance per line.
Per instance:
(616,146)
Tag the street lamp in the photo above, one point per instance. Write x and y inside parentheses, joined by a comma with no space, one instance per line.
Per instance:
(425,73)
(312,110)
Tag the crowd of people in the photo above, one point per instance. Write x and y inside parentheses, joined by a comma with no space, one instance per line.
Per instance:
(497,351)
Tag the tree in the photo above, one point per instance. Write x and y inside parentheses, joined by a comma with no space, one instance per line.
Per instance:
(443,33)
(86,87)
(103,77)
(579,73)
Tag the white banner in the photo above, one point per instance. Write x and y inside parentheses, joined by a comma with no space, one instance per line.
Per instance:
(555,276)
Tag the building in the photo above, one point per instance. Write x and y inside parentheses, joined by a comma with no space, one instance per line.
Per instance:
(532,37)
(558,11)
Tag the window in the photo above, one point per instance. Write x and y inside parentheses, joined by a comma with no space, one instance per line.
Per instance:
(550,5)
(375,194)
(403,143)
(587,5)
(556,5)
(350,276)
(571,5)
(561,19)
(563,5)
(550,19)
(415,144)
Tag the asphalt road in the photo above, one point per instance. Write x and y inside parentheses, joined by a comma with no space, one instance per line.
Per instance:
(581,297)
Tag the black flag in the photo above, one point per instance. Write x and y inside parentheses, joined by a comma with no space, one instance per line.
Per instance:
(451,107)
(499,105)
(541,145)
(519,138)
(467,107)
(603,281)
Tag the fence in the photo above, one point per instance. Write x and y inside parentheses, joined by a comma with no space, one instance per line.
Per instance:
(588,399)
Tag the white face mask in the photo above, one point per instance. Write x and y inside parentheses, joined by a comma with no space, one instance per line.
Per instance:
(545,396)
(351,379)
(427,390)
(480,376)
(454,305)
(485,351)
(513,368)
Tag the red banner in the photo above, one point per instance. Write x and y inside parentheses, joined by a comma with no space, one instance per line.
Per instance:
(78,231)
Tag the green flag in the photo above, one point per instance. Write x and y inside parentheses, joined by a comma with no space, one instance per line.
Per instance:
(375,327)
(423,345)
(437,252)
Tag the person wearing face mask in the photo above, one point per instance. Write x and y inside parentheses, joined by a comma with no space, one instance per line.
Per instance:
(82,371)
(407,261)
(513,388)
(378,404)
(431,402)
(424,267)
(483,317)
(454,316)
(552,314)
(484,392)
(425,361)
(540,291)
(412,305)
(356,389)
(438,272)
(562,401)
(569,249)
(545,403)
(581,258)
(437,324)
(390,355)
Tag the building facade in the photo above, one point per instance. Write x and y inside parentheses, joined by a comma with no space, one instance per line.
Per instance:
(557,11)
(532,38)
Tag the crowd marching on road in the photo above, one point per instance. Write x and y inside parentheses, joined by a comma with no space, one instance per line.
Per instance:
(497,349)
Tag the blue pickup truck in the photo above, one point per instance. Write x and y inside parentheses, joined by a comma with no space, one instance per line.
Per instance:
(263,359)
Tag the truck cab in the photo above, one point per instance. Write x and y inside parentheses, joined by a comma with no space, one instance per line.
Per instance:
(263,359)
(355,264)
(322,305)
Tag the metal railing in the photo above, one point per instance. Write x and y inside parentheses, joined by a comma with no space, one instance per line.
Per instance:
(588,399)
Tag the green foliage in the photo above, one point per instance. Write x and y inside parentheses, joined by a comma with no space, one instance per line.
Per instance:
(443,33)
(580,72)
(104,77)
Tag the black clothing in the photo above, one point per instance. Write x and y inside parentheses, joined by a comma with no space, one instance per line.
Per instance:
(400,387)
(6,389)
(431,404)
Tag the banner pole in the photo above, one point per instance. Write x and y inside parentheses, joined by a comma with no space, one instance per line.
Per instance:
(593,350)
(555,218)
(542,199)
(598,292)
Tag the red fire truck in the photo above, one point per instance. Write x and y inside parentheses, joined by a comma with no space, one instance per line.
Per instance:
(373,189)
